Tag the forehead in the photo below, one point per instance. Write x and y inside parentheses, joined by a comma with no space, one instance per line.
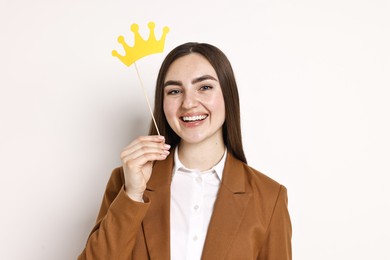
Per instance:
(190,66)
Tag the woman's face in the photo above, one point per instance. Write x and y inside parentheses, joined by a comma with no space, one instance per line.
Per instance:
(193,100)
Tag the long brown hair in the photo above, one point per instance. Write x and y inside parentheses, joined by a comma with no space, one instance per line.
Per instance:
(219,61)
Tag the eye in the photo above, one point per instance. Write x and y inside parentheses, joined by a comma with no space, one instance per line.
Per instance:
(173,92)
(205,87)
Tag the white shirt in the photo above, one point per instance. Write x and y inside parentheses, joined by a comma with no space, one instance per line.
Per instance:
(193,194)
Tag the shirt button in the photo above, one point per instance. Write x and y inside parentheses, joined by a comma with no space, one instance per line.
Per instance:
(195,238)
(196,207)
(198,179)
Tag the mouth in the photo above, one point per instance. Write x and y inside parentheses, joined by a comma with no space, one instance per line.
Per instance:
(193,118)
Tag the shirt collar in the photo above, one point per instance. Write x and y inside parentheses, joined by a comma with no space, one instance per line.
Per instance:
(218,168)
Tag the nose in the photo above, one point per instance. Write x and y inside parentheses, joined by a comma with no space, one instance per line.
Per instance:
(189,100)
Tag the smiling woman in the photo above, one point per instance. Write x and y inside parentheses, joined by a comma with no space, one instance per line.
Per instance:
(223,74)
(189,194)
(194,106)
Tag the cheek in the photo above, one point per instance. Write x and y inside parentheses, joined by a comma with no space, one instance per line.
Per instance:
(221,109)
(165,109)
(219,105)
(168,108)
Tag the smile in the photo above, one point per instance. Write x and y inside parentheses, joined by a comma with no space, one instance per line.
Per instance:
(193,118)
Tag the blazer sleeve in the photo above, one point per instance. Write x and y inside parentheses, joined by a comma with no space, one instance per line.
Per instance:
(118,223)
(278,239)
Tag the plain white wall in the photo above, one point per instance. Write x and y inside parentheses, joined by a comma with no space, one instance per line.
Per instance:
(314,84)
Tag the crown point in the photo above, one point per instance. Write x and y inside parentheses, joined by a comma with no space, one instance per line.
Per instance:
(121,39)
(114,53)
(151,25)
(166,29)
(134,27)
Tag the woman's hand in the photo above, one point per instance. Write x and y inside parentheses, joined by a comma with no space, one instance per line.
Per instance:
(137,160)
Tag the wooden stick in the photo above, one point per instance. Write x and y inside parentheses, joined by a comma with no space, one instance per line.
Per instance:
(147,99)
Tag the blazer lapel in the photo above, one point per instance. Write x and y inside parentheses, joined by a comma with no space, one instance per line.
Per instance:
(228,211)
(156,223)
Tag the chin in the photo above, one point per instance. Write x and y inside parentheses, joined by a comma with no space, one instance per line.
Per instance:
(192,139)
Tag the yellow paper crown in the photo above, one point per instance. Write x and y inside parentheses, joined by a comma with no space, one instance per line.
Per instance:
(141,47)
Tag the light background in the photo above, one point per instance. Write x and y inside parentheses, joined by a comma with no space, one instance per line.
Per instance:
(314,84)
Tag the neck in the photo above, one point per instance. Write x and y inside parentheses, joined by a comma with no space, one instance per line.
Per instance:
(202,156)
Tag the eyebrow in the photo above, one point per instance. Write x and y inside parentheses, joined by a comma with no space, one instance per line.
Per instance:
(194,81)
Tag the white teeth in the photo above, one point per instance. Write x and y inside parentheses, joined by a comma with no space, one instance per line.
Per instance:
(193,118)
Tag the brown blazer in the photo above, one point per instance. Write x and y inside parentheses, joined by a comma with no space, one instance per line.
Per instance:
(250,218)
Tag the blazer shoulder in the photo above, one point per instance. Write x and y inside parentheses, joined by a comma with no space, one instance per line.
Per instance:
(240,177)
(262,183)
(257,176)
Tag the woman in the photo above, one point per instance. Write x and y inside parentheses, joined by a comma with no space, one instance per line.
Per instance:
(189,194)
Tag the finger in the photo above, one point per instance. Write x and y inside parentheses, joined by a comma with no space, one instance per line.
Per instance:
(148,138)
(145,146)
(143,150)
(140,161)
